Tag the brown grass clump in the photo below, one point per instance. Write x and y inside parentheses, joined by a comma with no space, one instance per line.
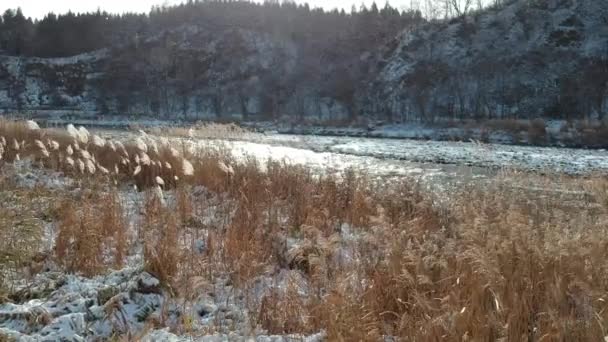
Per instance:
(284,311)
(21,234)
(585,133)
(246,249)
(160,238)
(508,125)
(500,270)
(537,132)
(24,213)
(144,161)
(589,133)
(115,228)
(207,130)
(491,265)
(77,245)
(92,234)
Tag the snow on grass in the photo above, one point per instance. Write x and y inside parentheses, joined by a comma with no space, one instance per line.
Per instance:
(55,305)
(78,308)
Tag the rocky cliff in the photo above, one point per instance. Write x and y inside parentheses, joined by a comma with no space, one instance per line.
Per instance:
(538,58)
(184,73)
(527,59)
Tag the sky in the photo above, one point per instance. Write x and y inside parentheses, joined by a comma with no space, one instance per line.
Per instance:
(38,8)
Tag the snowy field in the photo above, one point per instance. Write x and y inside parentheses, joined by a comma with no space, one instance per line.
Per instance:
(381,158)
(490,156)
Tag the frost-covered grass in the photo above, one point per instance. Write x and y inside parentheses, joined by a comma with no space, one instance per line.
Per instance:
(236,249)
(74,151)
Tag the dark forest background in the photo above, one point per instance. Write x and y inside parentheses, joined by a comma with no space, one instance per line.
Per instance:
(71,34)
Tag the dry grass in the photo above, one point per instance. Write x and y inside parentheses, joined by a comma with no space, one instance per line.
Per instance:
(537,132)
(76,152)
(160,238)
(589,133)
(533,130)
(508,125)
(92,234)
(522,258)
(206,130)
(585,133)
(23,216)
(493,267)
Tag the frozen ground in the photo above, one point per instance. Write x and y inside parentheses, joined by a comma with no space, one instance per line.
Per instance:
(492,156)
(74,308)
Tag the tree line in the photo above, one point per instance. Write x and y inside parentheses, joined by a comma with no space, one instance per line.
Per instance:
(60,35)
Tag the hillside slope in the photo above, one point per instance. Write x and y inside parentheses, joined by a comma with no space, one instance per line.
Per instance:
(531,59)
(191,72)
(528,59)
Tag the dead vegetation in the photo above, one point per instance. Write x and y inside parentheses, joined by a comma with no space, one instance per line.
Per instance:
(573,133)
(92,234)
(206,130)
(588,133)
(24,214)
(363,261)
(146,161)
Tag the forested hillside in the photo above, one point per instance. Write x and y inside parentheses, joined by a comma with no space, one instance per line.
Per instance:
(233,60)
(529,59)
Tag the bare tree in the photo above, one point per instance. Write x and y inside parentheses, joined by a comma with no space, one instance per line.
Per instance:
(447,7)
(461,7)
(431,10)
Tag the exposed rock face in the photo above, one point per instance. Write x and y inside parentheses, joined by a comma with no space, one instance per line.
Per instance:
(529,59)
(58,83)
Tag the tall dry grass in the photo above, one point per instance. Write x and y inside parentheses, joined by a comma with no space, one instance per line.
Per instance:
(145,161)
(510,260)
(496,263)
(24,214)
(92,234)
(207,130)
(492,267)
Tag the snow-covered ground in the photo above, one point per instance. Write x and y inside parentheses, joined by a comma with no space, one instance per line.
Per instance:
(74,308)
(390,157)
(386,157)
(542,159)
(58,306)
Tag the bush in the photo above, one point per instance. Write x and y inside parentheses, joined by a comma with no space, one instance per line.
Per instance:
(537,132)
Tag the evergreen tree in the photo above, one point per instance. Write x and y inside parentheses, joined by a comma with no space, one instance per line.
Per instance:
(70,34)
